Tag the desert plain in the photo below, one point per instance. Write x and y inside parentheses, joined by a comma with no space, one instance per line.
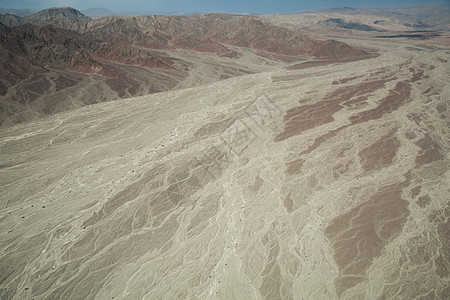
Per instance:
(324,179)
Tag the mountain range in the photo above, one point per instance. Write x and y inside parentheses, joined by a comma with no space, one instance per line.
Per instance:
(53,60)
(353,21)
(38,47)
(17,11)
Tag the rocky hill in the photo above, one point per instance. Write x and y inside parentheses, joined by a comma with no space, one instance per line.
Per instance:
(65,17)
(64,39)
(208,32)
(52,46)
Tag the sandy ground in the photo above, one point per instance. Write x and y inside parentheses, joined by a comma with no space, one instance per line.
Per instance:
(61,90)
(328,182)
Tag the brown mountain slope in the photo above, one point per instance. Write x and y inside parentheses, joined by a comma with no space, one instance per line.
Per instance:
(208,32)
(183,51)
(65,17)
(14,65)
(11,20)
(52,46)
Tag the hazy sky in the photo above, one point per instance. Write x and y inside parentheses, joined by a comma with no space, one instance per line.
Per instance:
(226,6)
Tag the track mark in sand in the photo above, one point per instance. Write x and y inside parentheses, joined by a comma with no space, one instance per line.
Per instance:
(360,235)
(344,80)
(381,153)
(294,166)
(396,98)
(165,189)
(214,128)
(144,216)
(326,62)
(311,64)
(441,219)
(430,151)
(272,286)
(305,117)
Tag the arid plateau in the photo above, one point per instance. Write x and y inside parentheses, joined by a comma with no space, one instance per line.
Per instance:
(326,178)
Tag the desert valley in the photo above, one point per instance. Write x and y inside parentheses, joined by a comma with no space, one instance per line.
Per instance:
(215,156)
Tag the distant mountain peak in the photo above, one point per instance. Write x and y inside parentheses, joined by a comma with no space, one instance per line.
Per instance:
(64,11)
(17,12)
(66,17)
